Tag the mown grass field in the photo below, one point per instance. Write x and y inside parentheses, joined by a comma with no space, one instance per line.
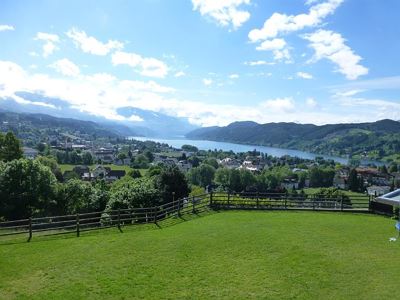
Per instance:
(312,191)
(67,167)
(223,255)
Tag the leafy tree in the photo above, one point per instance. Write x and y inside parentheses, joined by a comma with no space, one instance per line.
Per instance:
(134,173)
(353,181)
(140,162)
(77,196)
(393,168)
(320,177)
(87,158)
(131,193)
(26,188)
(41,147)
(121,156)
(52,164)
(170,180)
(194,160)
(212,162)
(149,155)
(10,147)
(189,148)
(202,175)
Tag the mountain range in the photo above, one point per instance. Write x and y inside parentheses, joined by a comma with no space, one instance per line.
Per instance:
(137,122)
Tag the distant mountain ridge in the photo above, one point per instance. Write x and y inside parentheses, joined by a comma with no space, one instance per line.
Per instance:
(139,122)
(338,139)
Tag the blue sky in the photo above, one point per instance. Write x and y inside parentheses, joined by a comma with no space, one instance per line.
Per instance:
(213,62)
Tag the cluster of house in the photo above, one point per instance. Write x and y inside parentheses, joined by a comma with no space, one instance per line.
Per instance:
(98,172)
(377,183)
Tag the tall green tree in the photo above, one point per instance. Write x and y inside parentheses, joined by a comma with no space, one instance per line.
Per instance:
(171,180)
(10,147)
(26,188)
(202,175)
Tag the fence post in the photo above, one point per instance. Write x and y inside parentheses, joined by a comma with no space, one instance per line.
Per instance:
(119,219)
(78,232)
(30,229)
(313,202)
(193,205)
(211,198)
(155,215)
(258,200)
(179,207)
(229,199)
(369,203)
(341,203)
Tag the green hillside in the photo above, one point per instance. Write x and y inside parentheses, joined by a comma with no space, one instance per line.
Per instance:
(378,140)
(229,255)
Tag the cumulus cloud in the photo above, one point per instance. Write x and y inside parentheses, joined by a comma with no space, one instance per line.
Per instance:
(89,44)
(150,67)
(282,24)
(278,47)
(6,28)
(234,76)
(225,13)
(331,45)
(50,42)
(304,75)
(279,104)
(66,67)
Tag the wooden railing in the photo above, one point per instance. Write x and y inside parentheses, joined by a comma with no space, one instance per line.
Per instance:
(81,222)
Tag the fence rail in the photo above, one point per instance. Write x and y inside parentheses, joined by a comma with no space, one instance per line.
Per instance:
(81,222)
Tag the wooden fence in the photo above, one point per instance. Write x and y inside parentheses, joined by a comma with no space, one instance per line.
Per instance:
(82,222)
(282,201)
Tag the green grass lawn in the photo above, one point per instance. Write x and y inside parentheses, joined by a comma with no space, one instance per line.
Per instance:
(68,167)
(312,191)
(226,255)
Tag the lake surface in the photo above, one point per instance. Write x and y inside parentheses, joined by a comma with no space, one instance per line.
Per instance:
(211,145)
(277,152)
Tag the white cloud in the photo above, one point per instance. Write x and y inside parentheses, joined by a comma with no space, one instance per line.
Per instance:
(135,118)
(348,93)
(66,67)
(6,28)
(234,76)
(282,24)
(278,47)
(89,44)
(279,104)
(150,67)
(179,74)
(50,42)
(304,75)
(310,102)
(225,12)
(258,63)
(207,81)
(331,45)
(102,94)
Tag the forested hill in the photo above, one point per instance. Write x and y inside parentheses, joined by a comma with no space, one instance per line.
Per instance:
(376,140)
(32,128)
